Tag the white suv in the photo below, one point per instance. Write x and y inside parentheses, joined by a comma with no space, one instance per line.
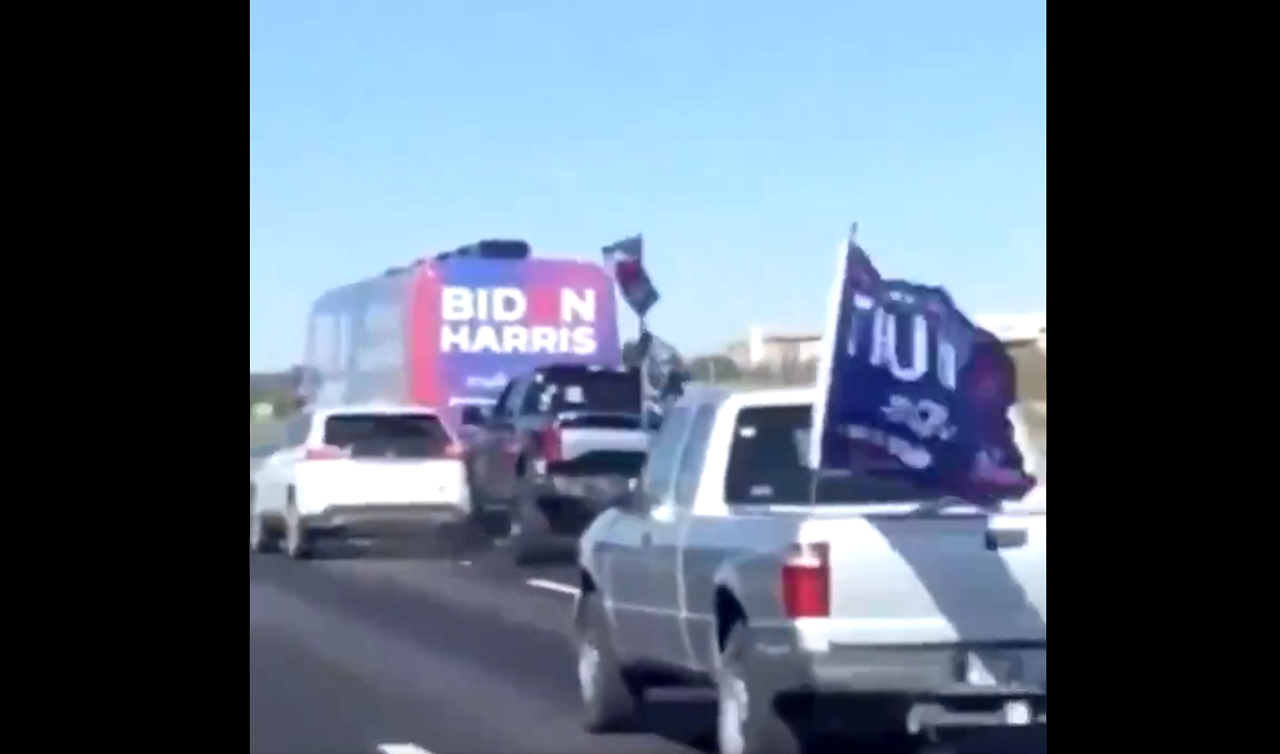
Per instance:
(357,472)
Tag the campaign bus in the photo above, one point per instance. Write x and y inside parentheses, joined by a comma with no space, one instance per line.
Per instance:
(453,330)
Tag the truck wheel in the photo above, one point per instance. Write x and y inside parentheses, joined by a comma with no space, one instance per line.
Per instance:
(748,723)
(532,540)
(486,522)
(610,703)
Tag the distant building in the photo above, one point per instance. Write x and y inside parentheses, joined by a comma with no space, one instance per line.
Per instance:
(765,348)
(1027,336)
(1018,329)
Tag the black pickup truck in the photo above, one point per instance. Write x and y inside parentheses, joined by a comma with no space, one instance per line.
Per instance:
(560,444)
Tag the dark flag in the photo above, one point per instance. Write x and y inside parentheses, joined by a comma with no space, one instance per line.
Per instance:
(663,371)
(625,261)
(910,385)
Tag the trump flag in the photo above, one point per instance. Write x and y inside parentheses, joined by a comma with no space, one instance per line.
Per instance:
(909,385)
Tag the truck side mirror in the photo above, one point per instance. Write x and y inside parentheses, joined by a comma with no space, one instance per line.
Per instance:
(474,416)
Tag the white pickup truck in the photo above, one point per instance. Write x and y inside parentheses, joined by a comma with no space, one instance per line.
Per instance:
(863,607)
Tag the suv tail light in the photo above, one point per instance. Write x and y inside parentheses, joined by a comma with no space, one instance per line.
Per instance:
(806,582)
(325,453)
(552,446)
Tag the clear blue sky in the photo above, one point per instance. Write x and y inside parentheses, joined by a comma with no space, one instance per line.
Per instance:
(740,137)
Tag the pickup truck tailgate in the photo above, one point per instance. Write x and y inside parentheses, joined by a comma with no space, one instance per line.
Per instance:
(905,579)
(578,443)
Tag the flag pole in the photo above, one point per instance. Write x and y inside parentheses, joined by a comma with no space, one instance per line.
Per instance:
(815,486)
(826,364)
(644,379)
(639,294)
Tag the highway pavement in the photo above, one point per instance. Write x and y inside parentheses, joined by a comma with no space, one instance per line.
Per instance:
(459,655)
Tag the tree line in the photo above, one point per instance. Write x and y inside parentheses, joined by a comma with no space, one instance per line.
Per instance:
(274,389)
(278,389)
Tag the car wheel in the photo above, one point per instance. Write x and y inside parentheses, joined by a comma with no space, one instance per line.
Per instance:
(297,541)
(260,539)
(747,722)
(610,703)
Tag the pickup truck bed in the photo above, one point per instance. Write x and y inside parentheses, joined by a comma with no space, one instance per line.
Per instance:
(562,444)
(578,464)
(851,606)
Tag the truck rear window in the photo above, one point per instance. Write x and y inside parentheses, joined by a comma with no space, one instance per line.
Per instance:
(769,466)
(412,436)
(587,390)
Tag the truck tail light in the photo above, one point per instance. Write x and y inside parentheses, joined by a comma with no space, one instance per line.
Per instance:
(325,453)
(806,582)
(552,446)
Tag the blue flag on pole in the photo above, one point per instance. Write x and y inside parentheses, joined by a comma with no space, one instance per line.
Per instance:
(910,385)
(625,261)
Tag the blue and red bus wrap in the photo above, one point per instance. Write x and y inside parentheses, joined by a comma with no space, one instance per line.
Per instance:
(452,333)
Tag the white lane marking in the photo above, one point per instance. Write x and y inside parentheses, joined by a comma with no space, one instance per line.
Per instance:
(552,586)
(402,749)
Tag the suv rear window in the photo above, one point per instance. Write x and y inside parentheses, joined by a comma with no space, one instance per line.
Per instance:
(769,466)
(590,390)
(414,436)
